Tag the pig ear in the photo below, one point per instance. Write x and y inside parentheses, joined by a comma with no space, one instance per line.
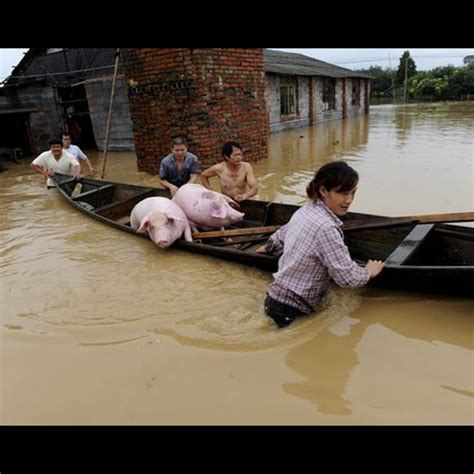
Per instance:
(217,210)
(232,203)
(173,217)
(144,226)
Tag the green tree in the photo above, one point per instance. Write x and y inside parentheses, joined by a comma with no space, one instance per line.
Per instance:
(381,84)
(443,83)
(411,68)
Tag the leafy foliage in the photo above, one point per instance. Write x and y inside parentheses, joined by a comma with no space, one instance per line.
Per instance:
(405,62)
(441,83)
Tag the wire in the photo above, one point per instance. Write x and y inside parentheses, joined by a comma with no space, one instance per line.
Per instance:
(386,59)
(60,73)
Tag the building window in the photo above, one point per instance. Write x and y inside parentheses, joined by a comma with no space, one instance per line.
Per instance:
(288,96)
(329,93)
(355,91)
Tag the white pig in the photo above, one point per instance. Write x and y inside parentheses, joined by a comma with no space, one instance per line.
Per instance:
(206,209)
(162,219)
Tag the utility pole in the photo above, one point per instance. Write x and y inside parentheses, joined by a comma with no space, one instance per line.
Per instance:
(406,81)
(393,81)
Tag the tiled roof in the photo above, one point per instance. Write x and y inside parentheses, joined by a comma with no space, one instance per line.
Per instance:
(300,65)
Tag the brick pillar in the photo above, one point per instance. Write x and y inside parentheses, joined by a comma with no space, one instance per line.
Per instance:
(312,100)
(209,95)
(367,96)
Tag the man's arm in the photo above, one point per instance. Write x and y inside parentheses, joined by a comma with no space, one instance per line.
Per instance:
(192,178)
(170,186)
(38,169)
(82,156)
(251,183)
(89,165)
(209,173)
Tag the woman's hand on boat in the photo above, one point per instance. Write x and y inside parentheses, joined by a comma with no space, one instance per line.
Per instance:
(375,267)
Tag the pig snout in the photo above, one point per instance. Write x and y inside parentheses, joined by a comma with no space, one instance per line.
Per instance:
(163,243)
(162,232)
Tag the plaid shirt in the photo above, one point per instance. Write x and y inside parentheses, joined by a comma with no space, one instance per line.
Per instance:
(314,253)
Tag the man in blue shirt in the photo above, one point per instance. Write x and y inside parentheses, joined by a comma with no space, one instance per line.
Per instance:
(179,167)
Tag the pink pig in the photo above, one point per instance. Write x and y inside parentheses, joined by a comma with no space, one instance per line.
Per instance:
(162,219)
(206,209)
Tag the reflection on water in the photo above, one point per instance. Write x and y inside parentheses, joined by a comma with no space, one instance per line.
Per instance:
(414,321)
(65,277)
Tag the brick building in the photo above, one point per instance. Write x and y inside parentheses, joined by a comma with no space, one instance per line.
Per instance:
(211,95)
(208,95)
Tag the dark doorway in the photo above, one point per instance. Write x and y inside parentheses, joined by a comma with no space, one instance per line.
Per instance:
(16,133)
(76,115)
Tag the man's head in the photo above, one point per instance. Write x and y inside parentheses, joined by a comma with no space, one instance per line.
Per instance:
(56,147)
(66,139)
(179,147)
(232,151)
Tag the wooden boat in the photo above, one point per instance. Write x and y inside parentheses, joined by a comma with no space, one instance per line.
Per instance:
(437,258)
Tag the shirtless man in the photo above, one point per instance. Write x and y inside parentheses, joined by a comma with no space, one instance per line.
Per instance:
(235,176)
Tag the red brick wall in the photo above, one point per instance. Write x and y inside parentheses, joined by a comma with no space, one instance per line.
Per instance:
(209,95)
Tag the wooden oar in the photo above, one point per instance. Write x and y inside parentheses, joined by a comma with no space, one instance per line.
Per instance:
(350,225)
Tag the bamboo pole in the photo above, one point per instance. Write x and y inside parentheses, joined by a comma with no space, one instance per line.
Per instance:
(234,232)
(109,118)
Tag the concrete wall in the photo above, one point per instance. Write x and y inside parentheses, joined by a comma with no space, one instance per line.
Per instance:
(98,96)
(277,123)
(46,121)
(323,114)
(310,102)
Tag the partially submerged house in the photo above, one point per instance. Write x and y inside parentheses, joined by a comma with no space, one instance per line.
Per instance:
(209,95)
(304,91)
(53,89)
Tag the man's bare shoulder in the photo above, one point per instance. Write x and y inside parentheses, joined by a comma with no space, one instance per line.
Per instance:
(247,166)
(214,168)
(219,167)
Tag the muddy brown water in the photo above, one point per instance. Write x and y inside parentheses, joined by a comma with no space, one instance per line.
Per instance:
(99,327)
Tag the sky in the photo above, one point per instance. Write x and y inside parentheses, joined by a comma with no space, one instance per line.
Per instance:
(425,59)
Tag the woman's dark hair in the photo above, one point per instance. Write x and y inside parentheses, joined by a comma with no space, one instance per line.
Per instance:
(229,147)
(337,175)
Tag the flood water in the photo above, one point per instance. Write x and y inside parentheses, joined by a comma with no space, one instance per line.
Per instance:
(99,327)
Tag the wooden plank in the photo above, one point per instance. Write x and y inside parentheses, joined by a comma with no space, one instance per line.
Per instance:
(93,192)
(232,232)
(409,245)
(447,217)
(422,219)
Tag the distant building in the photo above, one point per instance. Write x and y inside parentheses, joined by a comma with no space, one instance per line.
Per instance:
(229,93)
(304,91)
(468,59)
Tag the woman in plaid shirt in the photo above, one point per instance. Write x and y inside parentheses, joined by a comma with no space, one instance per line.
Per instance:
(313,247)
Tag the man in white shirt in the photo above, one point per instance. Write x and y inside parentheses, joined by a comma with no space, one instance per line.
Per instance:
(76,151)
(56,160)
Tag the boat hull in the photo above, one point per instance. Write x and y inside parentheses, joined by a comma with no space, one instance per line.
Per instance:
(441,262)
